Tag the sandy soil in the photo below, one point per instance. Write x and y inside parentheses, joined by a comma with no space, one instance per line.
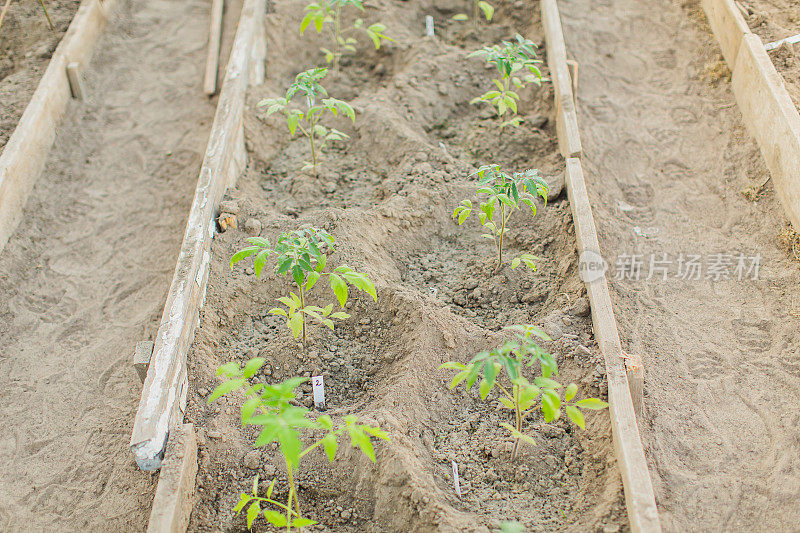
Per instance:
(773,20)
(387,197)
(26,44)
(666,156)
(85,276)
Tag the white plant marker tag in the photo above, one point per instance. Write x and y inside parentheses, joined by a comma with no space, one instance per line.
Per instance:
(318,385)
(456,483)
(429,26)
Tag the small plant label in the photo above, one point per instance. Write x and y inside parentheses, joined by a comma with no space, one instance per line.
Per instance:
(456,482)
(318,385)
(429,26)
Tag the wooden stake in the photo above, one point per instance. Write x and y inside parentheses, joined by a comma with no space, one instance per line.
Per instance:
(214,35)
(3,13)
(572,65)
(75,81)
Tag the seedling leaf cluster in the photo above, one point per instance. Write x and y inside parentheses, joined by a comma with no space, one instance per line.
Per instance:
(270,408)
(308,119)
(300,253)
(505,195)
(516,65)
(517,393)
(328,13)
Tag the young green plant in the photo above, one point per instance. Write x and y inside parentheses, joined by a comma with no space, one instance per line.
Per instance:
(478,6)
(328,13)
(518,394)
(308,120)
(517,65)
(269,407)
(300,253)
(508,193)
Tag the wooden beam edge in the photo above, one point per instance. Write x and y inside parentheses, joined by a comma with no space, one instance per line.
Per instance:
(163,400)
(25,154)
(639,495)
(172,503)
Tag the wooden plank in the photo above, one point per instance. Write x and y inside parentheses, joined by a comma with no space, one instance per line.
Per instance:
(172,504)
(569,140)
(728,25)
(25,154)
(639,497)
(163,400)
(772,119)
(214,37)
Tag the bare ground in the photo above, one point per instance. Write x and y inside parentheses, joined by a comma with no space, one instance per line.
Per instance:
(26,44)
(666,156)
(84,277)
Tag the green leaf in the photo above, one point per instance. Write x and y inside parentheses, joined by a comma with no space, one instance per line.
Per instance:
(460,17)
(298,275)
(290,444)
(243,254)
(339,288)
(576,416)
(252,366)
(225,388)
(571,391)
(312,280)
(488,10)
(485,388)
(296,324)
(248,408)
(252,513)
(452,365)
(591,403)
(302,522)
(330,445)
(515,263)
(243,499)
(546,383)
(507,403)
(275,518)
(361,439)
(229,370)
(458,378)
(267,435)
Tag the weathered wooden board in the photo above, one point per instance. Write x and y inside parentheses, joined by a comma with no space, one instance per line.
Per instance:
(639,497)
(25,154)
(569,139)
(163,400)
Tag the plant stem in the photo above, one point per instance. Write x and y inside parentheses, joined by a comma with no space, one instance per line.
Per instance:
(517,421)
(291,493)
(313,152)
(475,17)
(337,23)
(500,240)
(302,314)
(46,14)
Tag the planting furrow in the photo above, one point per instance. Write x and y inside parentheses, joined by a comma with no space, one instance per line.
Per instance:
(387,196)
(83,277)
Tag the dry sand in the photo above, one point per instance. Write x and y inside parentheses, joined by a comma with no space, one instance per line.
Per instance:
(665,149)
(84,277)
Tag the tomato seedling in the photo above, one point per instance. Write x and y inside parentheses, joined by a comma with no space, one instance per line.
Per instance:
(270,408)
(507,193)
(307,120)
(299,252)
(523,397)
(328,13)
(516,62)
(478,7)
